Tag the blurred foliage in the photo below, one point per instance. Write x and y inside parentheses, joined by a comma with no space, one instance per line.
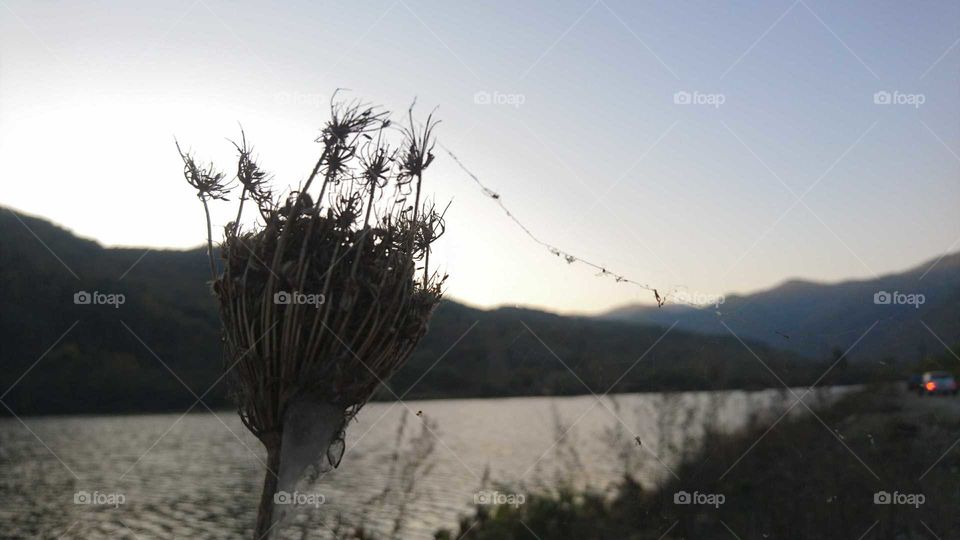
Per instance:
(801,479)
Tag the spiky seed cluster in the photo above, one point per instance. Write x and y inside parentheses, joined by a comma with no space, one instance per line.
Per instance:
(325,299)
(208,183)
(255,181)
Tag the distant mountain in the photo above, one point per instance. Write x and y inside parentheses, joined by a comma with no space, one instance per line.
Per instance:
(812,319)
(63,357)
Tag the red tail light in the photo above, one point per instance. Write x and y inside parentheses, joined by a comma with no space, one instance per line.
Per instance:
(931,386)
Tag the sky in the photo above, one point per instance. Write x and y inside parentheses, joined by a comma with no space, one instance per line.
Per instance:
(719,147)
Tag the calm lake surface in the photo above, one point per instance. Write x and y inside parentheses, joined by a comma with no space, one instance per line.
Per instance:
(199,475)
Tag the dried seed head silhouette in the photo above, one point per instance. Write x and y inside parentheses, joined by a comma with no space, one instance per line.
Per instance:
(323,299)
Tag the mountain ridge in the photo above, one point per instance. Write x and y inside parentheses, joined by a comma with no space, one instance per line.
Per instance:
(160,349)
(805,309)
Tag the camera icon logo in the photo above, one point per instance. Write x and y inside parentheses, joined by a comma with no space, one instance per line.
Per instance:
(482,497)
(882,298)
(81,497)
(882,98)
(482,98)
(82,298)
(681,497)
(682,98)
(282,497)
(282,297)
(881,497)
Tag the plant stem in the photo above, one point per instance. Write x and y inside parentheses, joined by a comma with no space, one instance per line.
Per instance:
(416,225)
(426,264)
(416,202)
(213,266)
(236,222)
(270,479)
(313,174)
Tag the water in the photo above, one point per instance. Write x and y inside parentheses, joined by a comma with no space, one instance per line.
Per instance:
(199,475)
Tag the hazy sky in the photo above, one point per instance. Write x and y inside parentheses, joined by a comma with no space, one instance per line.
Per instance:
(583,137)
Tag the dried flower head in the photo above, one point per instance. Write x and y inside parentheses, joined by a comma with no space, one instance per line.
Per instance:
(208,183)
(323,299)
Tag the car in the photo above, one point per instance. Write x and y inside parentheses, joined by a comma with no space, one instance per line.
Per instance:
(938,382)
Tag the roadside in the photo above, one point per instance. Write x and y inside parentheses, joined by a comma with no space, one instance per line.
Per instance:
(939,405)
(878,463)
